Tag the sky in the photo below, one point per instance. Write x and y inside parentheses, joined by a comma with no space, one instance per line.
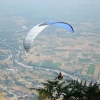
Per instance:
(52,9)
(37,11)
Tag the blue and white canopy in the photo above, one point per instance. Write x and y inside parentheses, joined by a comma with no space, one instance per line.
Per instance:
(32,34)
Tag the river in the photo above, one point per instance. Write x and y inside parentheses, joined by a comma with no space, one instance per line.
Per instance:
(16,57)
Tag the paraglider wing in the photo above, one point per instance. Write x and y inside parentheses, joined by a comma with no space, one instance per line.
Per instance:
(38,28)
(31,36)
(61,24)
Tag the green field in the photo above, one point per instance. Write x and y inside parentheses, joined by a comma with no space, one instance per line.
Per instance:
(91,69)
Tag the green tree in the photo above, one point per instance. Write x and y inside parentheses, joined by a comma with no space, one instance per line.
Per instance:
(51,90)
(72,90)
(92,91)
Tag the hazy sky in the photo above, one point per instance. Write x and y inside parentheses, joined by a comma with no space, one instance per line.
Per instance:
(53,9)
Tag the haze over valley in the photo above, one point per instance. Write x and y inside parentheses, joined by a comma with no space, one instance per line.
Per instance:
(76,55)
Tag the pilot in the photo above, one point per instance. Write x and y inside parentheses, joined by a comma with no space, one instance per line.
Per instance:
(60,76)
